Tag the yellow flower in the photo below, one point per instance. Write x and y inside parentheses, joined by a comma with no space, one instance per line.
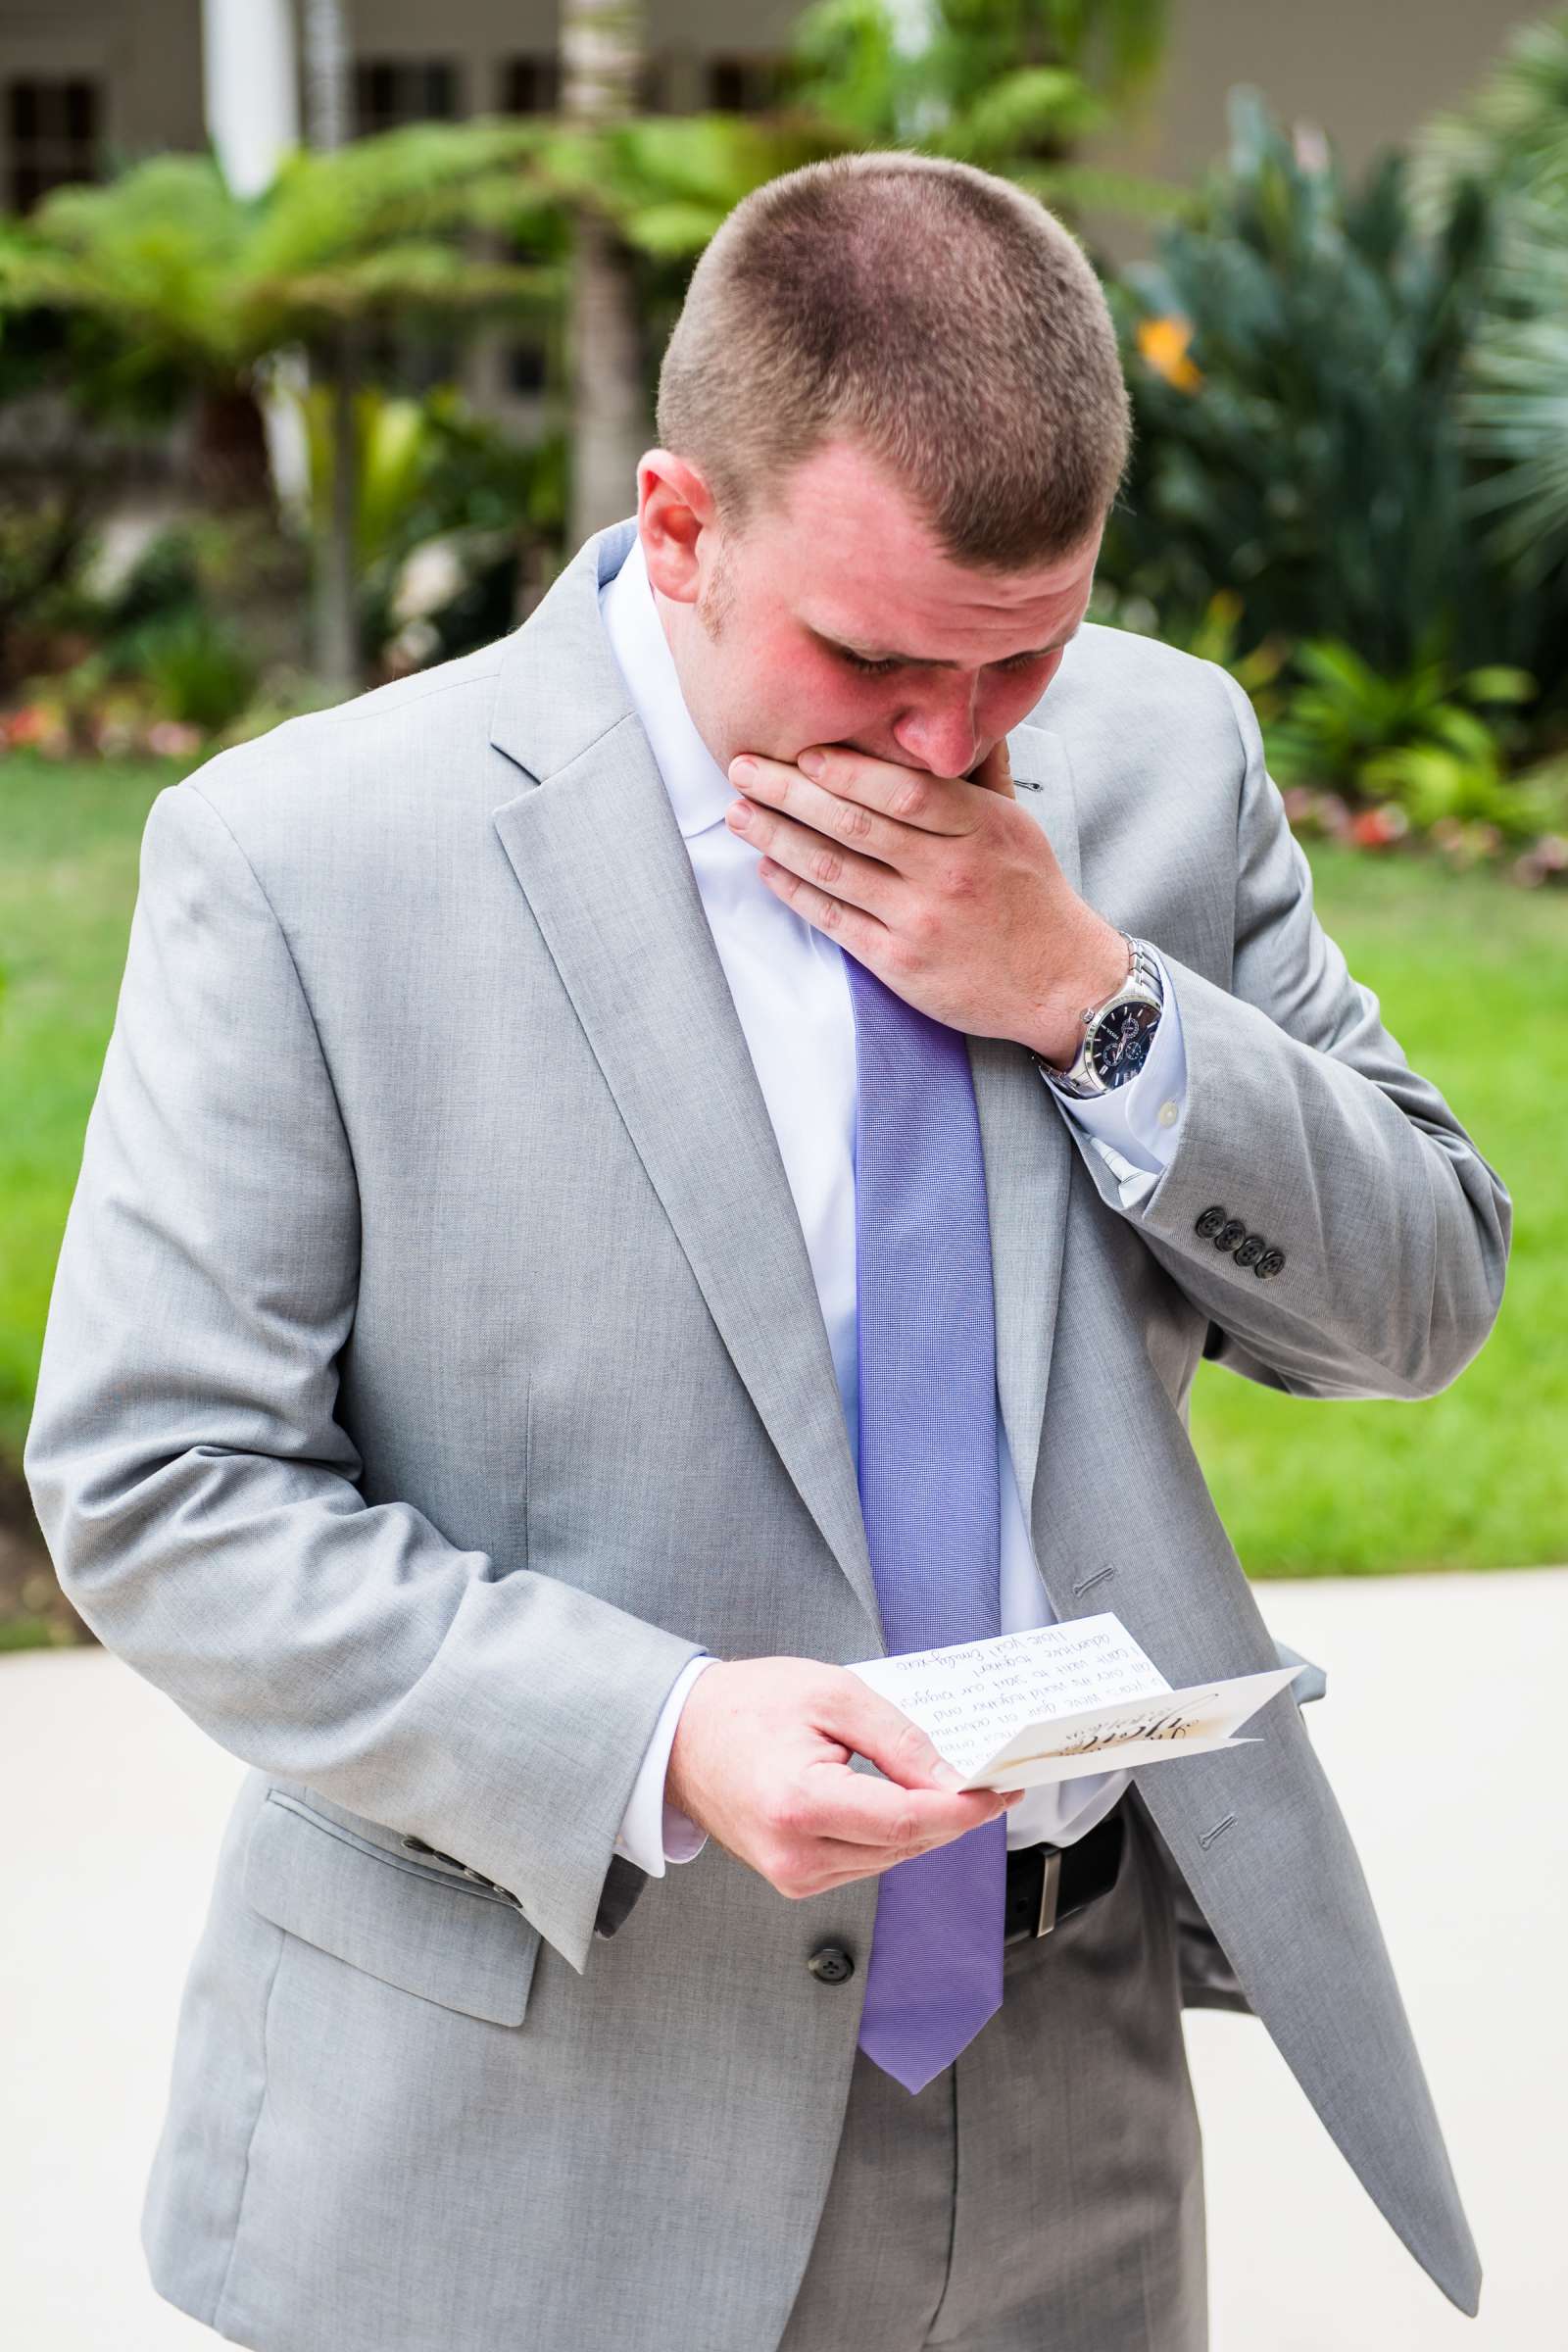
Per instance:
(1163,342)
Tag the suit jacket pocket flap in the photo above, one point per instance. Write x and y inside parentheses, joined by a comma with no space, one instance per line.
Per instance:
(428,1932)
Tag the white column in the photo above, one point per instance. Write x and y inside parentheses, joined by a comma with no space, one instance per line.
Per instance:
(914,24)
(250,82)
(251,85)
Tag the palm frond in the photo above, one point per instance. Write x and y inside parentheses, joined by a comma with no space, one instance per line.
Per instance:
(430,178)
(436,279)
(1035,103)
(1514,133)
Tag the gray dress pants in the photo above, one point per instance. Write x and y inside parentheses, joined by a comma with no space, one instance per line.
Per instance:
(1045,2193)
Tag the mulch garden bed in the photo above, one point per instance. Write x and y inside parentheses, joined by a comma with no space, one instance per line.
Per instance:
(34,1611)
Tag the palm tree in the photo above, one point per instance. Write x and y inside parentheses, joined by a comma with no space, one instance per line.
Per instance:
(1010,86)
(326,117)
(201,287)
(1509,148)
(602,66)
(1001,83)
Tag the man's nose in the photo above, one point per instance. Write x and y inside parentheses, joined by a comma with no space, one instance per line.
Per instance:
(939,731)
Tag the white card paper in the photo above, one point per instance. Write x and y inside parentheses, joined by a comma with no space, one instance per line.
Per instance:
(1061,1702)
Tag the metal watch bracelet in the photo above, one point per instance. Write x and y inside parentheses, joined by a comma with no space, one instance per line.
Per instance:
(1143,972)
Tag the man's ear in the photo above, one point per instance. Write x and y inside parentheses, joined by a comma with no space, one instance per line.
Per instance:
(674,509)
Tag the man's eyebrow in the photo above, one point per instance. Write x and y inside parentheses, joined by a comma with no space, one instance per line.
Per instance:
(842,645)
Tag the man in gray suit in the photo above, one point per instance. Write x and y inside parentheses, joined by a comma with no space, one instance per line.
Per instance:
(548,1288)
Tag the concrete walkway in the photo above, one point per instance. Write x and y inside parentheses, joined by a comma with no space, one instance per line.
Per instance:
(113,1804)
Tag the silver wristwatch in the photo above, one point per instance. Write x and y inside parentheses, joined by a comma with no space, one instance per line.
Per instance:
(1117,1032)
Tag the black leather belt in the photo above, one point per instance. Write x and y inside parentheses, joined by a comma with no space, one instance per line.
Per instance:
(1047,1884)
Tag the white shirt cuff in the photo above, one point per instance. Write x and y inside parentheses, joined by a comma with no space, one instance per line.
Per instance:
(653,1832)
(1136,1127)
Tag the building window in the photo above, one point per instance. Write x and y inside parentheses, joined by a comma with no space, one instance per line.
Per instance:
(530,85)
(528,367)
(52,136)
(390,92)
(746,85)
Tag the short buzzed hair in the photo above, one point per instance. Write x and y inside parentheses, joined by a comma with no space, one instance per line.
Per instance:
(931,313)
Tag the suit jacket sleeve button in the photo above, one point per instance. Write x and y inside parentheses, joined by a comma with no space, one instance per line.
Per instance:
(831,1964)
(1269,1263)
(1251,1250)
(1230,1233)
(1210,1223)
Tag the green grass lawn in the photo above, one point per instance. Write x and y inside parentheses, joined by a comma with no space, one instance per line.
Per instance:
(69,839)
(1473,975)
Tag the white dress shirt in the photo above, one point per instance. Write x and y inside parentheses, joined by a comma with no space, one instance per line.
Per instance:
(792,995)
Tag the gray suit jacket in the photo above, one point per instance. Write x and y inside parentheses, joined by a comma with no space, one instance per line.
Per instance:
(434,1365)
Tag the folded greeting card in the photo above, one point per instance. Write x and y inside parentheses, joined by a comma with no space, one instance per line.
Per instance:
(1059,1701)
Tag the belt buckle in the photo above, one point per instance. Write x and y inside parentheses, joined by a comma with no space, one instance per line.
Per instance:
(1050,1879)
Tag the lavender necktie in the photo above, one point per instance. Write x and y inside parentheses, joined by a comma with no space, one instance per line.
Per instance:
(928,1488)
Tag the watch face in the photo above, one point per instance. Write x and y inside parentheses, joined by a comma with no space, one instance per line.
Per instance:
(1122,1041)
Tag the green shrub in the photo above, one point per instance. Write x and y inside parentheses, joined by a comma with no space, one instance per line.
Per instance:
(1295,352)
(430,470)
(46,543)
(196,669)
(1343,715)
(1459,778)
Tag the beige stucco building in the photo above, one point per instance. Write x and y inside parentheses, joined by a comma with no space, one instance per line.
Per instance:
(86,82)
(83,82)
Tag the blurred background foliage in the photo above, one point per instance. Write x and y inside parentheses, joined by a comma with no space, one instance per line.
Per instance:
(1312,468)
(1508,153)
(1348,487)
(1349,481)
(1298,438)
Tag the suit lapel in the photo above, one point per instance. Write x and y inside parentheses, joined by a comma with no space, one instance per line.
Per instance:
(596,851)
(599,856)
